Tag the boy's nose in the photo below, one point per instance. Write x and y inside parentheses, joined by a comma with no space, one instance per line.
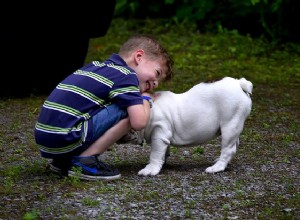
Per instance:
(155,84)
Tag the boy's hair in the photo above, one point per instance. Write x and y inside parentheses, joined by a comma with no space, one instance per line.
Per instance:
(152,48)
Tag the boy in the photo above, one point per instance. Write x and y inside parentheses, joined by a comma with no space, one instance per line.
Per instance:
(98,104)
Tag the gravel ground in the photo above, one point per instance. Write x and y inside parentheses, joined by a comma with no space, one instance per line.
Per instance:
(262,181)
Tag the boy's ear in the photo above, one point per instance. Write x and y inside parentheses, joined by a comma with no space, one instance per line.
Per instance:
(138,55)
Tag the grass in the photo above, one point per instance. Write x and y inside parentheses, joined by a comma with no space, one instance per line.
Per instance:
(262,182)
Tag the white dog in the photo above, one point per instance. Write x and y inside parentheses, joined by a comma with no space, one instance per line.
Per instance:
(197,116)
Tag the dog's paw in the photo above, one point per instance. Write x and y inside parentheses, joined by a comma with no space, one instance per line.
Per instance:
(149,170)
(217,167)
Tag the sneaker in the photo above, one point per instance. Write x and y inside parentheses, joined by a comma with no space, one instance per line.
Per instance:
(60,166)
(92,169)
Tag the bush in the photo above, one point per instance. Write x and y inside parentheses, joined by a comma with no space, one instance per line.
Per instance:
(275,20)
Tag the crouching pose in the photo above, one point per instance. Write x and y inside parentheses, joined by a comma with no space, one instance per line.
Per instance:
(96,105)
(197,116)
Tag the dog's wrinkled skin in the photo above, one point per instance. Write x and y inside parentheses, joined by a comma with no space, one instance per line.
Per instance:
(195,117)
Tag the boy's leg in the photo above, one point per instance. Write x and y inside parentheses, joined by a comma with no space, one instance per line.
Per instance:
(109,126)
(88,162)
(106,119)
(108,138)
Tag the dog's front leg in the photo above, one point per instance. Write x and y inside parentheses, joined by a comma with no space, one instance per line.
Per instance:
(157,157)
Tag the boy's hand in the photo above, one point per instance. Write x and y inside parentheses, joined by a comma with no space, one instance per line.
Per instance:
(153,96)
(147,94)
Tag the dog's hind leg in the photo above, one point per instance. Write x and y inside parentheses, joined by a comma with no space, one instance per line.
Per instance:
(230,143)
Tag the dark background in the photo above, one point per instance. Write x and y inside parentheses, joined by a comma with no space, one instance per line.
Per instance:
(43,43)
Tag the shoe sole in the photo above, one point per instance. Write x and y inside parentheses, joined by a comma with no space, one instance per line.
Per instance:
(55,169)
(87,177)
(84,177)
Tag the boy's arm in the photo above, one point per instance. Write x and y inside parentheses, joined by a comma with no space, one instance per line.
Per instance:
(139,114)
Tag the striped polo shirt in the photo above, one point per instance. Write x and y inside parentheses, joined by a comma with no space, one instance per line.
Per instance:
(65,121)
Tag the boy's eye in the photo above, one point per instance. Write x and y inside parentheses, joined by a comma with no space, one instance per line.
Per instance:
(158,73)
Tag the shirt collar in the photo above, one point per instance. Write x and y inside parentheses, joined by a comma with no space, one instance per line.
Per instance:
(117,60)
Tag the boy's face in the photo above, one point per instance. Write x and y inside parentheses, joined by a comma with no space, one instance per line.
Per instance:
(149,72)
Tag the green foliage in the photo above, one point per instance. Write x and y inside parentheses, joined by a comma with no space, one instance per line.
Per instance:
(268,13)
(198,150)
(75,179)
(200,57)
(32,215)
(255,17)
(90,202)
(194,10)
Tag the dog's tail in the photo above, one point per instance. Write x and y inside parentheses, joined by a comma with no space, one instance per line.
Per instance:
(246,85)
